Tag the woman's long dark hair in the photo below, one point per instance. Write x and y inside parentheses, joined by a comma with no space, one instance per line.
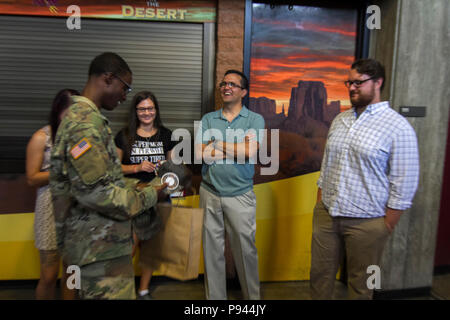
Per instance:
(60,103)
(130,132)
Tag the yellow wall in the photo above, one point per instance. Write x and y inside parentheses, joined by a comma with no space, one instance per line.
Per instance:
(19,259)
(283,233)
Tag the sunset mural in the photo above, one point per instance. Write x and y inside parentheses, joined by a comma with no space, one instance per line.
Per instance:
(306,43)
(299,61)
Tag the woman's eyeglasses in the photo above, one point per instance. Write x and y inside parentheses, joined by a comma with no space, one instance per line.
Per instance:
(143,110)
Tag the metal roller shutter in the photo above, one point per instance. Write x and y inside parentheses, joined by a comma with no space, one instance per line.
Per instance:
(39,56)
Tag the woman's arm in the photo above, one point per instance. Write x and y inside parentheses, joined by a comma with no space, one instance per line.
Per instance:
(127,169)
(35,156)
(135,168)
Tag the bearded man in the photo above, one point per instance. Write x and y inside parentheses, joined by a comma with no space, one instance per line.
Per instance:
(369,175)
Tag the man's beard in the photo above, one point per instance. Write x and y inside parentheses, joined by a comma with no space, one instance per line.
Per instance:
(362,100)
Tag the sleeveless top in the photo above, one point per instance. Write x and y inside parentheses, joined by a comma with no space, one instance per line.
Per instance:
(44,221)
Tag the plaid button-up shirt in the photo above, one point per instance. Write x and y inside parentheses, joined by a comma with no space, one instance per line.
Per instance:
(370,162)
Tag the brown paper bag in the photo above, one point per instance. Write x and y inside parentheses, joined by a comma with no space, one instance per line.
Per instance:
(175,251)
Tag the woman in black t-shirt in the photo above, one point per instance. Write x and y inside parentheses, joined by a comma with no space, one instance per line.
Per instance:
(141,146)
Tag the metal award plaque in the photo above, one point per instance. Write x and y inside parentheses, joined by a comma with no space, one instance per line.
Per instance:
(171,179)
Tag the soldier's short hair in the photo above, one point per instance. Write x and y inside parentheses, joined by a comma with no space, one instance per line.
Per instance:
(370,67)
(108,62)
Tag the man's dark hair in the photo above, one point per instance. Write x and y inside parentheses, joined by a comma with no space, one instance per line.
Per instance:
(108,62)
(372,68)
(244,80)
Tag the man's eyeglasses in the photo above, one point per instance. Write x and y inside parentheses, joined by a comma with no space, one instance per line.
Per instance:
(357,83)
(128,87)
(229,84)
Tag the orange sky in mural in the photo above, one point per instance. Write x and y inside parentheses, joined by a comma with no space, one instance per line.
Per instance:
(310,26)
(306,45)
(334,82)
(343,29)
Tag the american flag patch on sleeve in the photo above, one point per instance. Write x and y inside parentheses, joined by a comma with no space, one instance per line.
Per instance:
(80,148)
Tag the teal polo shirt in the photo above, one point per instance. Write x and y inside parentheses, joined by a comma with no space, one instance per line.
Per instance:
(222,178)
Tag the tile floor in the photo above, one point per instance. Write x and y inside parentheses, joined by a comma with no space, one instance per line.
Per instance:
(163,288)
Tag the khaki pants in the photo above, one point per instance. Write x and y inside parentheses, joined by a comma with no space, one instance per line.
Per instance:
(363,240)
(236,215)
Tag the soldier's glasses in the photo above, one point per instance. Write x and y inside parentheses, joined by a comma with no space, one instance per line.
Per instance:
(128,87)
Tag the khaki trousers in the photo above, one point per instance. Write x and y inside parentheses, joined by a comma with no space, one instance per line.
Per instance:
(236,215)
(363,240)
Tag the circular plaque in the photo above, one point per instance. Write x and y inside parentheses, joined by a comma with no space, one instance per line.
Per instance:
(171,179)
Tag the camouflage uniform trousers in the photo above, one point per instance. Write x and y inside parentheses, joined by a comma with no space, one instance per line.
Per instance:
(109,279)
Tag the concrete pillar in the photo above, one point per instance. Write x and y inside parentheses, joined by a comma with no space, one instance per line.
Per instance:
(414,45)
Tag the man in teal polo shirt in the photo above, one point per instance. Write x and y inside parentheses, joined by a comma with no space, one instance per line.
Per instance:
(229,141)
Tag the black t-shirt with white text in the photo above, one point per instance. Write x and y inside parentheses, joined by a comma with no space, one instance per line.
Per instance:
(152,149)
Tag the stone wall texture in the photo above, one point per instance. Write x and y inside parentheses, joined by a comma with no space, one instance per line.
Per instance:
(229,40)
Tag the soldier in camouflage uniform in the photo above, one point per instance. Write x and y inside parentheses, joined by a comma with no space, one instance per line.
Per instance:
(93,201)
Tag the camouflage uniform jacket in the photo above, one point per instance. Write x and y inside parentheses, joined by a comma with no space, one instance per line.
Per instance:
(93,201)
